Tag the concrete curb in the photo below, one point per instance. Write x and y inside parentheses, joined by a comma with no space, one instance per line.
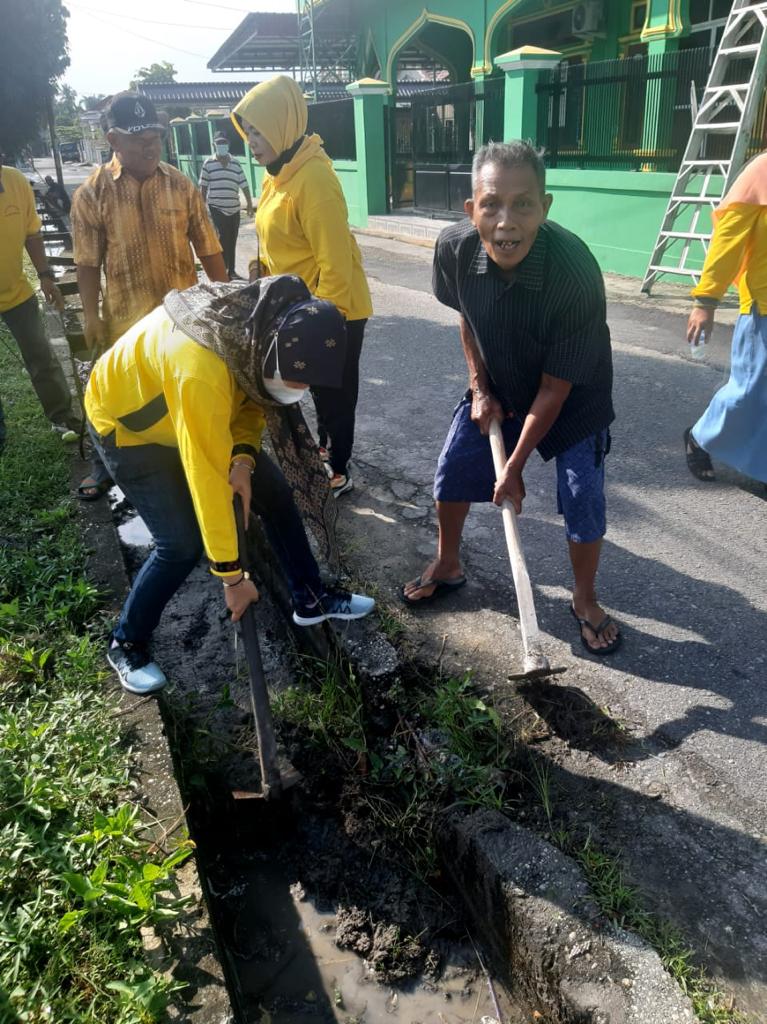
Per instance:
(534,906)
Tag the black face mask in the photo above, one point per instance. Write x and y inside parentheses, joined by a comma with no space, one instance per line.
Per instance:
(285,157)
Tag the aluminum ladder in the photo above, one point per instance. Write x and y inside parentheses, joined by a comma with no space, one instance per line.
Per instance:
(728,109)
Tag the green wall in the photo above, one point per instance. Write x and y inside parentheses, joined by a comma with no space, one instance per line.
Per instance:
(351,185)
(617,213)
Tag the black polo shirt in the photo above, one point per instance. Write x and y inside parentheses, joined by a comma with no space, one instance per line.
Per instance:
(550,318)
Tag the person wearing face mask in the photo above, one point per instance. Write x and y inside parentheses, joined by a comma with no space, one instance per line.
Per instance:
(176,409)
(303,228)
(221,179)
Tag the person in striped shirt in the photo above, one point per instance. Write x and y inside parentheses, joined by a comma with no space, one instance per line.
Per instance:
(221,179)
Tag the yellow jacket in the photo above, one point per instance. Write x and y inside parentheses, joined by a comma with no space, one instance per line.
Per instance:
(303,228)
(738,252)
(158,386)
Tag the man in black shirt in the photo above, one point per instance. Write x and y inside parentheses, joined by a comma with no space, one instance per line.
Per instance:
(532,306)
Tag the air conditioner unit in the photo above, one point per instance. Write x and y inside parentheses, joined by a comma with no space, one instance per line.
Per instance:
(587,18)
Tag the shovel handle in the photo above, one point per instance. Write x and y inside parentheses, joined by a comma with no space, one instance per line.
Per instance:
(528,620)
(259,695)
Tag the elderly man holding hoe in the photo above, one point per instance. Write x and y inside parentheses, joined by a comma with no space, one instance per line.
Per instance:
(532,323)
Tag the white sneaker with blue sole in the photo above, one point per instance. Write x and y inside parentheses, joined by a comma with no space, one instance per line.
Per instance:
(138,673)
(333,604)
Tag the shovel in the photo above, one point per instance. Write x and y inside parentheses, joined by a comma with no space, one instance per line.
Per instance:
(536,664)
(273,779)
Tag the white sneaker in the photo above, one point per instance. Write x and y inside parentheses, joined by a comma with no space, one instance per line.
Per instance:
(137,672)
(340,484)
(334,604)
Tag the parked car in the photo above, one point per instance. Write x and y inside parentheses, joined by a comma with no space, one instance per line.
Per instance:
(70,152)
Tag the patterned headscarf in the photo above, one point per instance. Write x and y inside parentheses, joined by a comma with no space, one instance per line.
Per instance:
(240,323)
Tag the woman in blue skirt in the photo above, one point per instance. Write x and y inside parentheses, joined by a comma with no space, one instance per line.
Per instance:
(733,429)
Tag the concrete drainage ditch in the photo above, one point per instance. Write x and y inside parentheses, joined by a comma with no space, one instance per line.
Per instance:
(319,915)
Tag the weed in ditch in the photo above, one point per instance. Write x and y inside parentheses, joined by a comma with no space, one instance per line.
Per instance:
(447,750)
(328,705)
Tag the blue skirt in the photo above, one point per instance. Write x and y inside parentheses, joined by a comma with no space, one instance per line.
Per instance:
(733,429)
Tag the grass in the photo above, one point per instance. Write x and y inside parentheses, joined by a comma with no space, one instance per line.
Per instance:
(77,881)
(622,904)
(447,749)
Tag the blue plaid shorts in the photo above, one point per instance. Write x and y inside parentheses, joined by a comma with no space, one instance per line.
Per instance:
(465,472)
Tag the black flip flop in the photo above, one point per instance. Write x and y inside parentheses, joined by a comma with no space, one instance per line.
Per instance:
(698,459)
(596,630)
(441,588)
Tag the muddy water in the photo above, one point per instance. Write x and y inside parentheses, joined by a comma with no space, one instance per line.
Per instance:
(291,971)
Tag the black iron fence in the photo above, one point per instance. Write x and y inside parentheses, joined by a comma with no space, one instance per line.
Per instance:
(624,114)
(433,138)
(333,120)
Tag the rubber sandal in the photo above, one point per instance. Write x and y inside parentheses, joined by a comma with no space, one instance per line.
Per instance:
(441,589)
(596,630)
(99,488)
(698,459)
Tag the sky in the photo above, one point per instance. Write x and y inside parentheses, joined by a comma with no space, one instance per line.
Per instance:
(109,40)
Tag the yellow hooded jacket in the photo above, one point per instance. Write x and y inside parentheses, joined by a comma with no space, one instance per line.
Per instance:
(302,219)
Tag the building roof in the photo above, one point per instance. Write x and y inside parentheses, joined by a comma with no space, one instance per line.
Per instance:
(272,42)
(194,93)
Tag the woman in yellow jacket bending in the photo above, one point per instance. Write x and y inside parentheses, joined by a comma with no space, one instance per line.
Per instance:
(176,409)
(303,228)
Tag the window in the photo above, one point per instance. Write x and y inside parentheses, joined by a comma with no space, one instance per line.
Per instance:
(707,19)
(638,16)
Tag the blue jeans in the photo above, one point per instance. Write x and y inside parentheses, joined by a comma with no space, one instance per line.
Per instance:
(153,479)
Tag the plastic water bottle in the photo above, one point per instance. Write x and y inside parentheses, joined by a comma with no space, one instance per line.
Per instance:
(698,352)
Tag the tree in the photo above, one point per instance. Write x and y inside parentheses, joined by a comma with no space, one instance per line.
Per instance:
(162,72)
(65,105)
(92,102)
(66,110)
(33,54)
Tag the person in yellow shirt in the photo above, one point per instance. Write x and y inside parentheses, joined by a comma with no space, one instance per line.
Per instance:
(19,230)
(176,409)
(733,429)
(303,228)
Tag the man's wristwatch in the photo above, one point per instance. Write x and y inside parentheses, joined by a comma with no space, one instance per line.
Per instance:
(45,273)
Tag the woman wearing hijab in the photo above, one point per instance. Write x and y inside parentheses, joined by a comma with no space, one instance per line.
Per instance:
(176,409)
(302,225)
(733,428)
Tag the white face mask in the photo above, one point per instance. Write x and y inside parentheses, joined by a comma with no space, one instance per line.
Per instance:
(275,385)
(222,149)
(281,393)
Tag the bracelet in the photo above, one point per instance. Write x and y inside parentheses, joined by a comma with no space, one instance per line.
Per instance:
(224,567)
(229,586)
(243,462)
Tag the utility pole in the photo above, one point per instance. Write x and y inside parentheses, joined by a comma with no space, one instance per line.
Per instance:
(50,114)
